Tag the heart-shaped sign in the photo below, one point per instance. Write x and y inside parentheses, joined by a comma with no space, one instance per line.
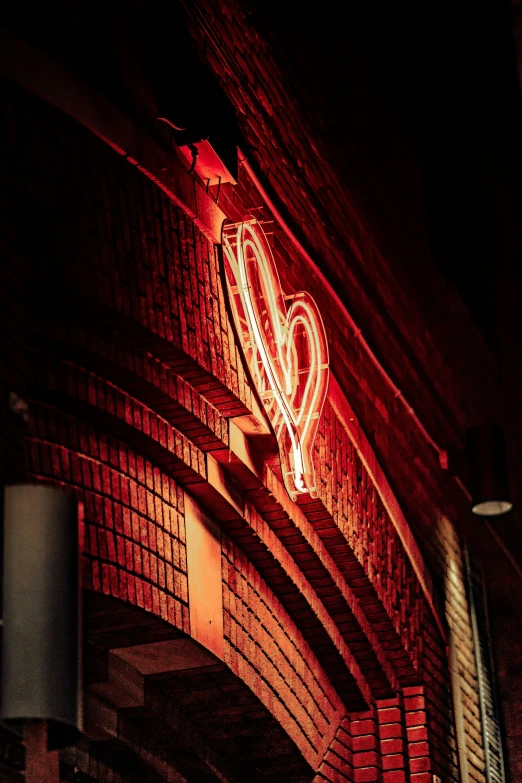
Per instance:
(285,348)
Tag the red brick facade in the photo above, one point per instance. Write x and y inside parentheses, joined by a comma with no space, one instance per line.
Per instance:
(138,397)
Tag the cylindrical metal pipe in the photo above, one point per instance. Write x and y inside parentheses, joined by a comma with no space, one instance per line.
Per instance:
(41,626)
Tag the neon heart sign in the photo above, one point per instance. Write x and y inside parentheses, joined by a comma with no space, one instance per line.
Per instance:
(285,348)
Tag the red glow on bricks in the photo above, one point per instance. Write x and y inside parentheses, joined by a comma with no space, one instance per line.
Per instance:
(286,349)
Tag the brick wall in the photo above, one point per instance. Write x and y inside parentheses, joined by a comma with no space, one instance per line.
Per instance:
(337,762)
(266,649)
(353,502)
(293,158)
(133,512)
(134,373)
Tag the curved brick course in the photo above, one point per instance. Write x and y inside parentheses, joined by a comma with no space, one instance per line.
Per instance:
(266,648)
(134,376)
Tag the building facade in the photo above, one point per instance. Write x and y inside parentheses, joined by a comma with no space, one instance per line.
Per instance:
(227,338)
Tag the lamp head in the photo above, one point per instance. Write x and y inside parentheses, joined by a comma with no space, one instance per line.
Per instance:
(488,473)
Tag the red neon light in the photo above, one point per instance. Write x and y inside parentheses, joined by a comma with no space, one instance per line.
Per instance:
(286,349)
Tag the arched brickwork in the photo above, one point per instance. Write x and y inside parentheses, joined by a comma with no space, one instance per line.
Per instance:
(134,378)
(135,550)
(267,650)
(134,535)
(188,716)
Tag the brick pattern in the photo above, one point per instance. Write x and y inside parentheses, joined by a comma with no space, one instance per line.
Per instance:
(282,146)
(262,542)
(458,617)
(325,558)
(439,715)
(146,378)
(84,393)
(418,734)
(337,763)
(119,456)
(140,256)
(350,497)
(160,271)
(283,136)
(367,760)
(397,741)
(134,532)
(448,551)
(392,735)
(126,460)
(122,409)
(265,648)
(349,502)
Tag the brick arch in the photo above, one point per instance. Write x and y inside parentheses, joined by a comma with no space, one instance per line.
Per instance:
(187,699)
(64,391)
(101,425)
(161,701)
(258,631)
(117,309)
(266,649)
(153,279)
(133,523)
(153,276)
(135,550)
(129,556)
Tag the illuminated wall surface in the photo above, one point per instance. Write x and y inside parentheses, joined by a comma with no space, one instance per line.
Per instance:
(247,407)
